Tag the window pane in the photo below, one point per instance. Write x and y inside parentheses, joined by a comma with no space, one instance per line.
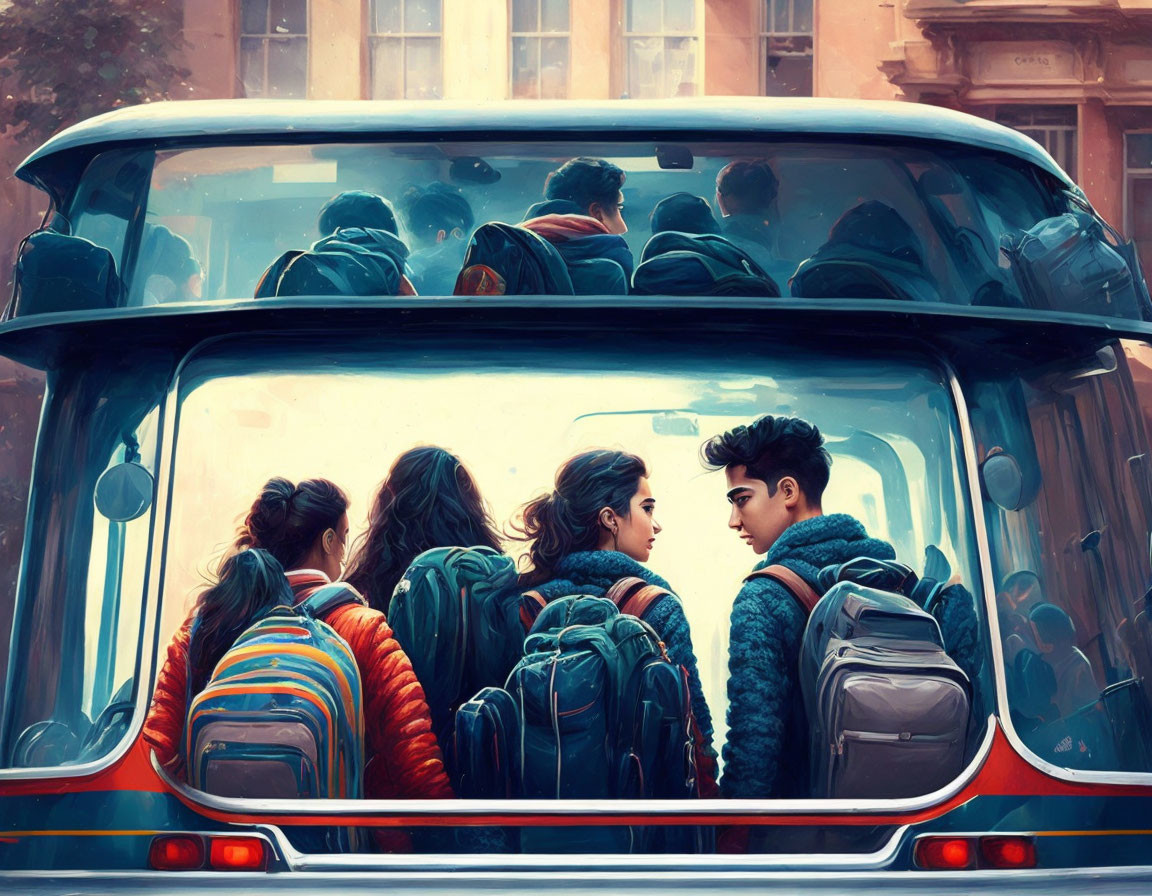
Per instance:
(1139,224)
(289,16)
(387,18)
(254,17)
(525,15)
(680,66)
(643,17)
(788,76)
(21,396)
(422,16)
(387,69)
(423,76)
(288,68)
(779,16)
(645,67)
(554,15)
(252,66)
(802,16)
(679,15)
(554,68)
(525,68)
(1139,150)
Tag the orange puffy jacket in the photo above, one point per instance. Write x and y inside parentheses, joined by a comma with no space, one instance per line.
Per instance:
(403,758)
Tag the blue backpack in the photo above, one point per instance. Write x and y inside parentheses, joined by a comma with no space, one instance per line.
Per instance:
(505,260)
(354,261)
(455,615)
(282,715)
(593,710)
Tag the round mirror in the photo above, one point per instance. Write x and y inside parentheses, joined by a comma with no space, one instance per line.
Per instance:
(124,492)
(1003,481)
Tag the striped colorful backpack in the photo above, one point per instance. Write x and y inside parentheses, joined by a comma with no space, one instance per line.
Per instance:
(282,715)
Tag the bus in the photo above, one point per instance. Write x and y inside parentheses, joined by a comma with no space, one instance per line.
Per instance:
(928,288)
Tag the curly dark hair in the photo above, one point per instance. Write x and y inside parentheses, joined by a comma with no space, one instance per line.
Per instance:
(356,208)
(585,181)
(287,519)
(428,500)
(772,448)
(566,519)
(428,210)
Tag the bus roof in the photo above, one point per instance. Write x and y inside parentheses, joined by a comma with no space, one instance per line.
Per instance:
(58,162)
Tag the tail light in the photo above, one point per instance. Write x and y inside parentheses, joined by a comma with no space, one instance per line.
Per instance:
(963,853)
(192,852)
(179,852)
(1007,852)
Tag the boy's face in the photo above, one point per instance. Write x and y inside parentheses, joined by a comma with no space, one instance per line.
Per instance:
(759,518)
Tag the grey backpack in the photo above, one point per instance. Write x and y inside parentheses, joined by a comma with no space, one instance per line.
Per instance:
(887,707)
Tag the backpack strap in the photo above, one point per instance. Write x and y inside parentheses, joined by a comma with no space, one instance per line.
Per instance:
(531,603)
(319,600)
(804,593)
(634,596)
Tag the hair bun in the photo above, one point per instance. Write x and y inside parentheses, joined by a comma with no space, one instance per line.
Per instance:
(269,512)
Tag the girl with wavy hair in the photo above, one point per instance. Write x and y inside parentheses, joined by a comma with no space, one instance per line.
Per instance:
(597,526)
(428,500)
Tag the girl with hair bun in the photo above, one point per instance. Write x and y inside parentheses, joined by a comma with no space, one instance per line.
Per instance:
(304,527)
(598,526)
(250,584)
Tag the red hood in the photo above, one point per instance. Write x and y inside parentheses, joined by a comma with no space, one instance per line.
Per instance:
(302,580)
(561,228)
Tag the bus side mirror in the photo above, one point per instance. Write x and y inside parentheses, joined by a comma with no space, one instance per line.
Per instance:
(1002,481)
(124,492)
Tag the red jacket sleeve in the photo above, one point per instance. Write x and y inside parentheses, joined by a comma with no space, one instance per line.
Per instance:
(164,725)
(404,758)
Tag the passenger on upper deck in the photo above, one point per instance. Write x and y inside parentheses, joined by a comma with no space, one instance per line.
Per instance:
(168,268)
(427,500)
(777,469)
(1076,686)
(594,528)
(745,191)
(439,220)
(588,237)
(684,213)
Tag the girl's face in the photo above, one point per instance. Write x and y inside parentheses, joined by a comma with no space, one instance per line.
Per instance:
(635,533)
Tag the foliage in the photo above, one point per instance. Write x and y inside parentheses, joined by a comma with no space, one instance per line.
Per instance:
(66,60)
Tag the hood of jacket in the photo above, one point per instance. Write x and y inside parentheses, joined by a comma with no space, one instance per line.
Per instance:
(363,239)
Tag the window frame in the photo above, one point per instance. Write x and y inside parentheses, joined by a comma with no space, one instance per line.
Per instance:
(625,37)
(767,34)
(539,37)
(374,38)
(1050,136)
(266,39)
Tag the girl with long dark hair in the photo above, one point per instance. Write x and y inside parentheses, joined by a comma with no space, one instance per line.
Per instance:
(428,500)
(250,584)
(597,526)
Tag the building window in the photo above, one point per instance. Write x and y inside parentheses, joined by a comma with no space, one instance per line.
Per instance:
(1053,127)
(1138,194)
(786,47)
(405,39)
(274,48)
(661,48)
(540,55)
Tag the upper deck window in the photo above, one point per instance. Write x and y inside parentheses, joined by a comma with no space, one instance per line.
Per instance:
(274,48)
(807,219)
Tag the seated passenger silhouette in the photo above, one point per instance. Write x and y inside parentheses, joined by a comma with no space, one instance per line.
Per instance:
(588,238)
(439,220)
(1018,594)
(249,585)
(170,271)
(745,192)
(359,253)
(1056,636)
(684,213)
(871,253)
